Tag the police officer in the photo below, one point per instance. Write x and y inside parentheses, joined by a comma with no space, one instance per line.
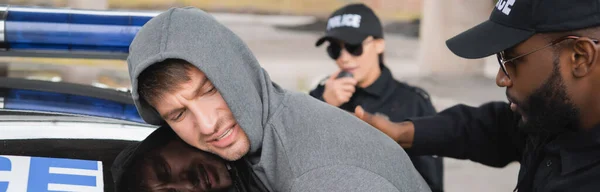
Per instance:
(355,38)
(549,56)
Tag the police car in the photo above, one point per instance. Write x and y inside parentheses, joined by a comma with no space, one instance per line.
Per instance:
(58,136)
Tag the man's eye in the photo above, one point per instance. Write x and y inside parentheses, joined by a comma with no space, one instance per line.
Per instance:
(211,90)
(512,63)
(178,116)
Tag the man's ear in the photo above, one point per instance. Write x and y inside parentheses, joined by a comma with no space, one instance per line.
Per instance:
(379,45)
(584,58)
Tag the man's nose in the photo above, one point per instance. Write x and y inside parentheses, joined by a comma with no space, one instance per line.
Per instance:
(183,184)
(502,80)
(206,119)
(184,181)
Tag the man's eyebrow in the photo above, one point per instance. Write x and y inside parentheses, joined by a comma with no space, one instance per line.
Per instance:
(195,94)
(199,87)
(161,168)
(172,112)
(510,53)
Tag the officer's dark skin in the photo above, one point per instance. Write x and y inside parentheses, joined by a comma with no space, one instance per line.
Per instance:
(579,76)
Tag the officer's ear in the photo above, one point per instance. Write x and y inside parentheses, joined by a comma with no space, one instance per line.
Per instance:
(379,45)
(584,57)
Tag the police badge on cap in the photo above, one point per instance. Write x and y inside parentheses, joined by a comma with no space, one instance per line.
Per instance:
(352,24)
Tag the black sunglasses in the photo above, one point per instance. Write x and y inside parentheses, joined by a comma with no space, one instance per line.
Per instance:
(335,49)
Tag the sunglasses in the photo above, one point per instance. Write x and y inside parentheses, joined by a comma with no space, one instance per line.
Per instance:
(335,49)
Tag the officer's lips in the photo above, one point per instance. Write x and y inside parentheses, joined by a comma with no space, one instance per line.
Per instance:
(515,108)
(350,69)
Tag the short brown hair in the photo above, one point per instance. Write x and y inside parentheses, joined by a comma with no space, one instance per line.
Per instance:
(162,77)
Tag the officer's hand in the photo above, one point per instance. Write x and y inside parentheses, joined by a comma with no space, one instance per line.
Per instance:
(339,91)
(403,132)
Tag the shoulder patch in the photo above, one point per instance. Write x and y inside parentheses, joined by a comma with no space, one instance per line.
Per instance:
(421,92)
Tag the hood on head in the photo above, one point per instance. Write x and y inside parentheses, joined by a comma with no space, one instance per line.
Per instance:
(195,36)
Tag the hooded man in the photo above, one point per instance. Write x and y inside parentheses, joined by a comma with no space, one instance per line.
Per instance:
(192,73)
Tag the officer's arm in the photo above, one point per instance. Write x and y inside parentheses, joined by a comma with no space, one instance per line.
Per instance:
(487,134)
(430,167)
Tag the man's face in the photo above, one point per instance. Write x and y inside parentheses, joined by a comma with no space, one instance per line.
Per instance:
(536,88)
(180,167)
(200,116)
(364,66)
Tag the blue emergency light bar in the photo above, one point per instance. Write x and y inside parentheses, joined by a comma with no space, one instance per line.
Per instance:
(66,98)
(51,32)
(33,100)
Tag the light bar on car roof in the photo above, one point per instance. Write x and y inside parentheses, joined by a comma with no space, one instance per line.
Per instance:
(31,100)
(60,97)
(51,32)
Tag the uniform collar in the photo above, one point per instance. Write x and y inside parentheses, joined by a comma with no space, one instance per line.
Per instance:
(578,149)
(380,85)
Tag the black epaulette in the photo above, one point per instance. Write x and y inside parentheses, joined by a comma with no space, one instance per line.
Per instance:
(420,92)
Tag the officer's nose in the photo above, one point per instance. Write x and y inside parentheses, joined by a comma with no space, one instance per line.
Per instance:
(502,80)
(344,56)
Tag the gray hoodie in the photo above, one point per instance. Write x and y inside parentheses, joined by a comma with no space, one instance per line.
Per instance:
(297,143)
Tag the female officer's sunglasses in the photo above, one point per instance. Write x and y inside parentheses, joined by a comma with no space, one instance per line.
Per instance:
(335,49)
